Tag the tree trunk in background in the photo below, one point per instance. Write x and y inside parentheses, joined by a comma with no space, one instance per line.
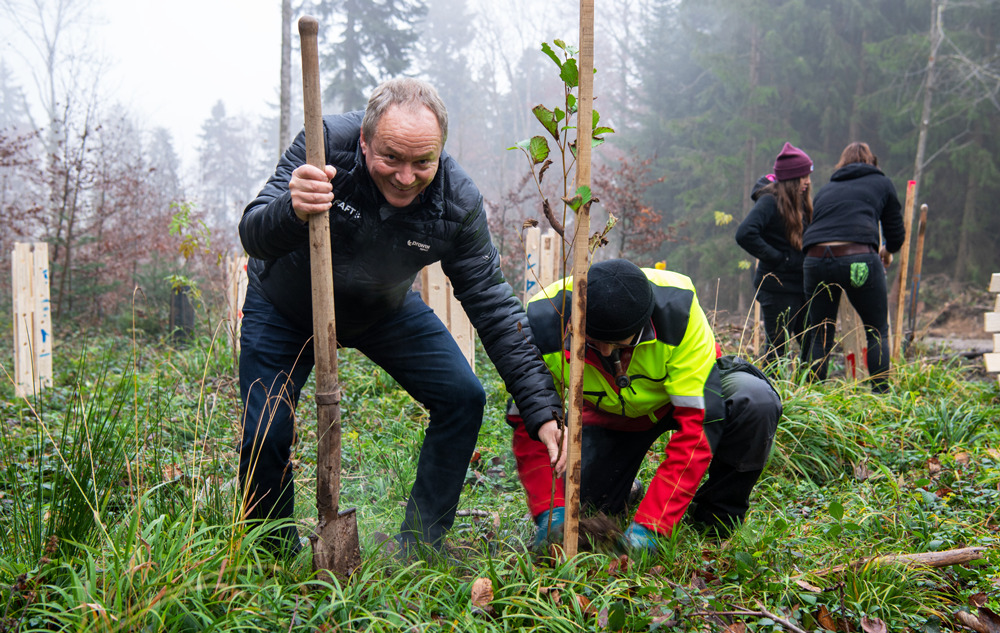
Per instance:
(285,116)
(937,35)
(854,125)
(968,225)
(750,174)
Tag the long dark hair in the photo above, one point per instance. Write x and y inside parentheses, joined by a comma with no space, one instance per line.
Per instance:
(794,206)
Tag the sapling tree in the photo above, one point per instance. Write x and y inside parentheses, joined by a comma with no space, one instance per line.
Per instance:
(560,125)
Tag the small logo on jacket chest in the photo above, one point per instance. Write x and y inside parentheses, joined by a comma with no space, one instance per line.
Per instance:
(423,247)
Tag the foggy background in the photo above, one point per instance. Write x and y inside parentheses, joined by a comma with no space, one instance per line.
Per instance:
(701,96)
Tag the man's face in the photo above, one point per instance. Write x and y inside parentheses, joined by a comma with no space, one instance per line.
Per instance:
(403,157)
(605,348)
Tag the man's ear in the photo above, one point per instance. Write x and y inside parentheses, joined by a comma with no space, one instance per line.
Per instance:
(364,144)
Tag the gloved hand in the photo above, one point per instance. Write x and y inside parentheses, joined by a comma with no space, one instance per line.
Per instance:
(544,534)
(639,538)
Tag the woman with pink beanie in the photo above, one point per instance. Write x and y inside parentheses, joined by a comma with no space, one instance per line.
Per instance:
(772,232)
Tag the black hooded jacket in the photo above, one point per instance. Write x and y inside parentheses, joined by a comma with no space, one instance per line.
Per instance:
(850,208)
(762,234)
(379,249)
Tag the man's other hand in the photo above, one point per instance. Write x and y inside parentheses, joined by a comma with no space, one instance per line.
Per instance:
(556,442)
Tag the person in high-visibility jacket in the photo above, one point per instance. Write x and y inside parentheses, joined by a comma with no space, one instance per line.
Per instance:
(652,367)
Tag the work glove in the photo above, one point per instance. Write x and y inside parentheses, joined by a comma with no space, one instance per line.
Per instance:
(639,538)
(544,534)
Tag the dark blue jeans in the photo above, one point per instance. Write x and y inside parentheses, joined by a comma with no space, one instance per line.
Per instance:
(784,319)
(416,349)
(862,278)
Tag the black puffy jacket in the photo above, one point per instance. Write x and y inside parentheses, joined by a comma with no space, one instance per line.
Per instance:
(378,250)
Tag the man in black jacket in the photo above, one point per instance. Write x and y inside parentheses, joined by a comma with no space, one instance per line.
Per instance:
(397,203)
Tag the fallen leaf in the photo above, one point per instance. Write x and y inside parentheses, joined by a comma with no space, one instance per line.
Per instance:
(861,471)
(618,566)
(978,599)
(873,625)
(933,465)
(585,605)
(482,592)
(962,459)
(825,619)
(990,619)
(736,627)
(812,588)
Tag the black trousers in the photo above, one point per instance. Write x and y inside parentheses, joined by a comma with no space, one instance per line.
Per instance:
(741,444)
(784,319)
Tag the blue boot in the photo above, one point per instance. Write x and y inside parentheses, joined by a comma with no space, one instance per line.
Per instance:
(544,534)
(639,538)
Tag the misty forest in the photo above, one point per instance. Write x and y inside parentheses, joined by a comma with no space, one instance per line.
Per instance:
(700,95)
(120,504)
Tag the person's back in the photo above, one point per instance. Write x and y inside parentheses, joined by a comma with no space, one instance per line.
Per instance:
(844,254)
(852,206)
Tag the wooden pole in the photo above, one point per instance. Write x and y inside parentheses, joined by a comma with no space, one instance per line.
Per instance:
(581,252)
(904,262)
(918,258)
(335,543)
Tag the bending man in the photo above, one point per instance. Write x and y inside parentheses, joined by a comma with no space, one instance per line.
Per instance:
(652,367)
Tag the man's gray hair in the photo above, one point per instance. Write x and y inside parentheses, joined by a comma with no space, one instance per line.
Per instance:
(403,91)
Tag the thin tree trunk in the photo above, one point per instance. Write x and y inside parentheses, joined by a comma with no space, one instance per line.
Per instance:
(968,225)
(749,170)
(285,107)
(937,36)
(854,124)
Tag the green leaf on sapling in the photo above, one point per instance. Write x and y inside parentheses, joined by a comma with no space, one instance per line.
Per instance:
(569,73)
(548,120)
(538,150)
(552,54)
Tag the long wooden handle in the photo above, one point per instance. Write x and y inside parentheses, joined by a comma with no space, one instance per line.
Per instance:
(321,269)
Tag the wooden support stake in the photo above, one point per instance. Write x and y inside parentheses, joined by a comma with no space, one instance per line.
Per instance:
(918,258)
(550,258)
(541,260)
(532,241)
(904,262)
(437,293)
(853,341)
(32,318)
(236,293)
(581,263)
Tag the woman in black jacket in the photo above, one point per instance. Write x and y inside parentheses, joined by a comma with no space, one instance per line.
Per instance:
(772,232)
(844,253)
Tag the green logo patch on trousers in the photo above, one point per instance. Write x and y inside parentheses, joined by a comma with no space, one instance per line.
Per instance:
(859,274)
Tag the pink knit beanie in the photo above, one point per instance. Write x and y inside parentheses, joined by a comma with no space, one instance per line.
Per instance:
(792,163)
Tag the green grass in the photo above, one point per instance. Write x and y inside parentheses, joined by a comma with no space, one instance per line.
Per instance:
(119,506)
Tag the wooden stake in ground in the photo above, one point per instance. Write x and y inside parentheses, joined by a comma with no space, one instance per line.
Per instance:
(904,262)
(918,258)
(581,252)
(335,542)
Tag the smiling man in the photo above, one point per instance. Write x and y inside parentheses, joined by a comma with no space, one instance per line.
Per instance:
(397,203)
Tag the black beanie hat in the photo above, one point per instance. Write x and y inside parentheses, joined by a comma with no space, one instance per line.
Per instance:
(619,300)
